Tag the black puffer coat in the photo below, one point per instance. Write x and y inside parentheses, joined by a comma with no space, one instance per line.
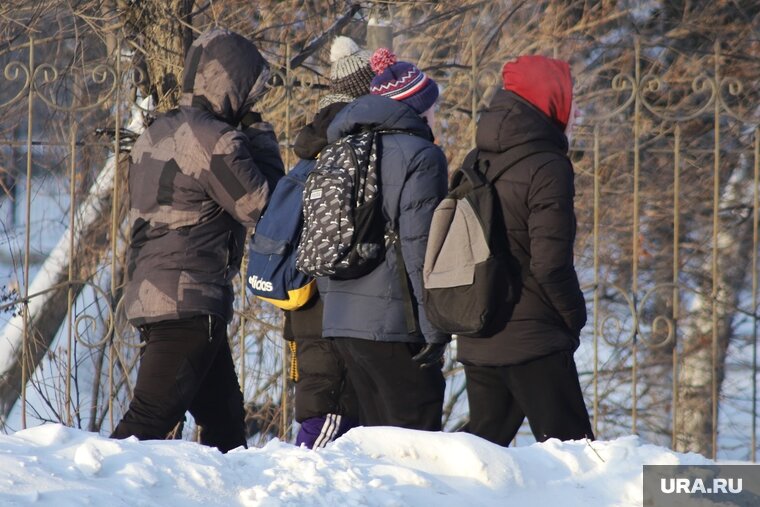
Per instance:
(537,204)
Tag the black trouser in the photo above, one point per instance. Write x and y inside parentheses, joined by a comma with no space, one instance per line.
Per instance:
(546,390)
(393,390)
(323,386)
(186,364)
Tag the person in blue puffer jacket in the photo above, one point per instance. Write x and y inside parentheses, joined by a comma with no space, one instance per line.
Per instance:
(392,353)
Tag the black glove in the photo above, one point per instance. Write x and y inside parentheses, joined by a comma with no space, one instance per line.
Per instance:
(430,355)
(250,118)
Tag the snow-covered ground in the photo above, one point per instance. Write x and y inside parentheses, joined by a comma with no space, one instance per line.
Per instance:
(56,466)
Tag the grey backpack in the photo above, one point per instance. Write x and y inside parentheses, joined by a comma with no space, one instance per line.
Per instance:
(470,278)
(466,270)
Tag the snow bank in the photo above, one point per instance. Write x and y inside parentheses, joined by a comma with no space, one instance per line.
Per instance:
(56,466)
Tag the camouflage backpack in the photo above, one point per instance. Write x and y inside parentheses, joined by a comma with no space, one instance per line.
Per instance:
(343,235)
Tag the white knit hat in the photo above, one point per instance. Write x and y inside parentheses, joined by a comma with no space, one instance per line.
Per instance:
(350,73)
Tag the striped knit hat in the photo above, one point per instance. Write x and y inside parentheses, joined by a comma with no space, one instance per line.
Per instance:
(350,73)
(402,81)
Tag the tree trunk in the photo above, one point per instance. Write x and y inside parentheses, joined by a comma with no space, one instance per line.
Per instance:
(163,37)
(695,377)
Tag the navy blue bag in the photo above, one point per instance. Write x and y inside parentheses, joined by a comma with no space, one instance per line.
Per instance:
(272,275)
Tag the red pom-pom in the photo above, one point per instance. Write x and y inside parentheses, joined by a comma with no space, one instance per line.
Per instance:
(381,60)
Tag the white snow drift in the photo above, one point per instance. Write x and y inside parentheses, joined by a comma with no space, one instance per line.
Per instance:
(56,466)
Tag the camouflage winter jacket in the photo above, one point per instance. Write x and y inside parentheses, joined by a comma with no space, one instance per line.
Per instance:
(196,182)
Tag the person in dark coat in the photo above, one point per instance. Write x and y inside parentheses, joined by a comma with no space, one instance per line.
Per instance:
(527,369)
(392,353)
(325,403)
(195,183)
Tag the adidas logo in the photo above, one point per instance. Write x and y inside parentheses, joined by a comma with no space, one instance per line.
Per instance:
(257,283)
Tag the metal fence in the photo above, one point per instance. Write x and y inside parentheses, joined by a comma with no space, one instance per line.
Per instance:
(667,202)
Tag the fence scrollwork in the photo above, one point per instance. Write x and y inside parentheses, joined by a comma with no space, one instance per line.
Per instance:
(616,321)
(620,83)
(45,75)
(648,339)
(701,84)
(735,88)
(12,72)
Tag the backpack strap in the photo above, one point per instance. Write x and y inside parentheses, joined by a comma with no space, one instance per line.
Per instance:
(392,131)
(409,313)
(470,170)
(393,234)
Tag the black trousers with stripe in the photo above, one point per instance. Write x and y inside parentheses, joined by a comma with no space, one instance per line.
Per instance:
(323,386)
(186,364)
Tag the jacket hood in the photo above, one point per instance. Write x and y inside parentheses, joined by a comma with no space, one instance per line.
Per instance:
(544,82)
(313,137)
(224,74)
(510,121)
(377,112)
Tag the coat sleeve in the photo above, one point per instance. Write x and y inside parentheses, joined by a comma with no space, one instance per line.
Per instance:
(266,151)
(551,228)
(424,188)
(244,169)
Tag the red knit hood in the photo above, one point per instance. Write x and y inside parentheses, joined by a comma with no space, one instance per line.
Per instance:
(544,82)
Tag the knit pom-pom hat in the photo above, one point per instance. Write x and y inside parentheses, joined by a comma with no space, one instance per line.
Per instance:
(402,81)
(350,74)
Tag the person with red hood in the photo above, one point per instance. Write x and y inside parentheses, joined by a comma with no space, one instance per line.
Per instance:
(527,369)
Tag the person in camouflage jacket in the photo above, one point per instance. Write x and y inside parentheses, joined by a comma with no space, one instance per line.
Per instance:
(196,181)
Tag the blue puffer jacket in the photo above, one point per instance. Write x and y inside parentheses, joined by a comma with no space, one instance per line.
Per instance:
(414,178)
